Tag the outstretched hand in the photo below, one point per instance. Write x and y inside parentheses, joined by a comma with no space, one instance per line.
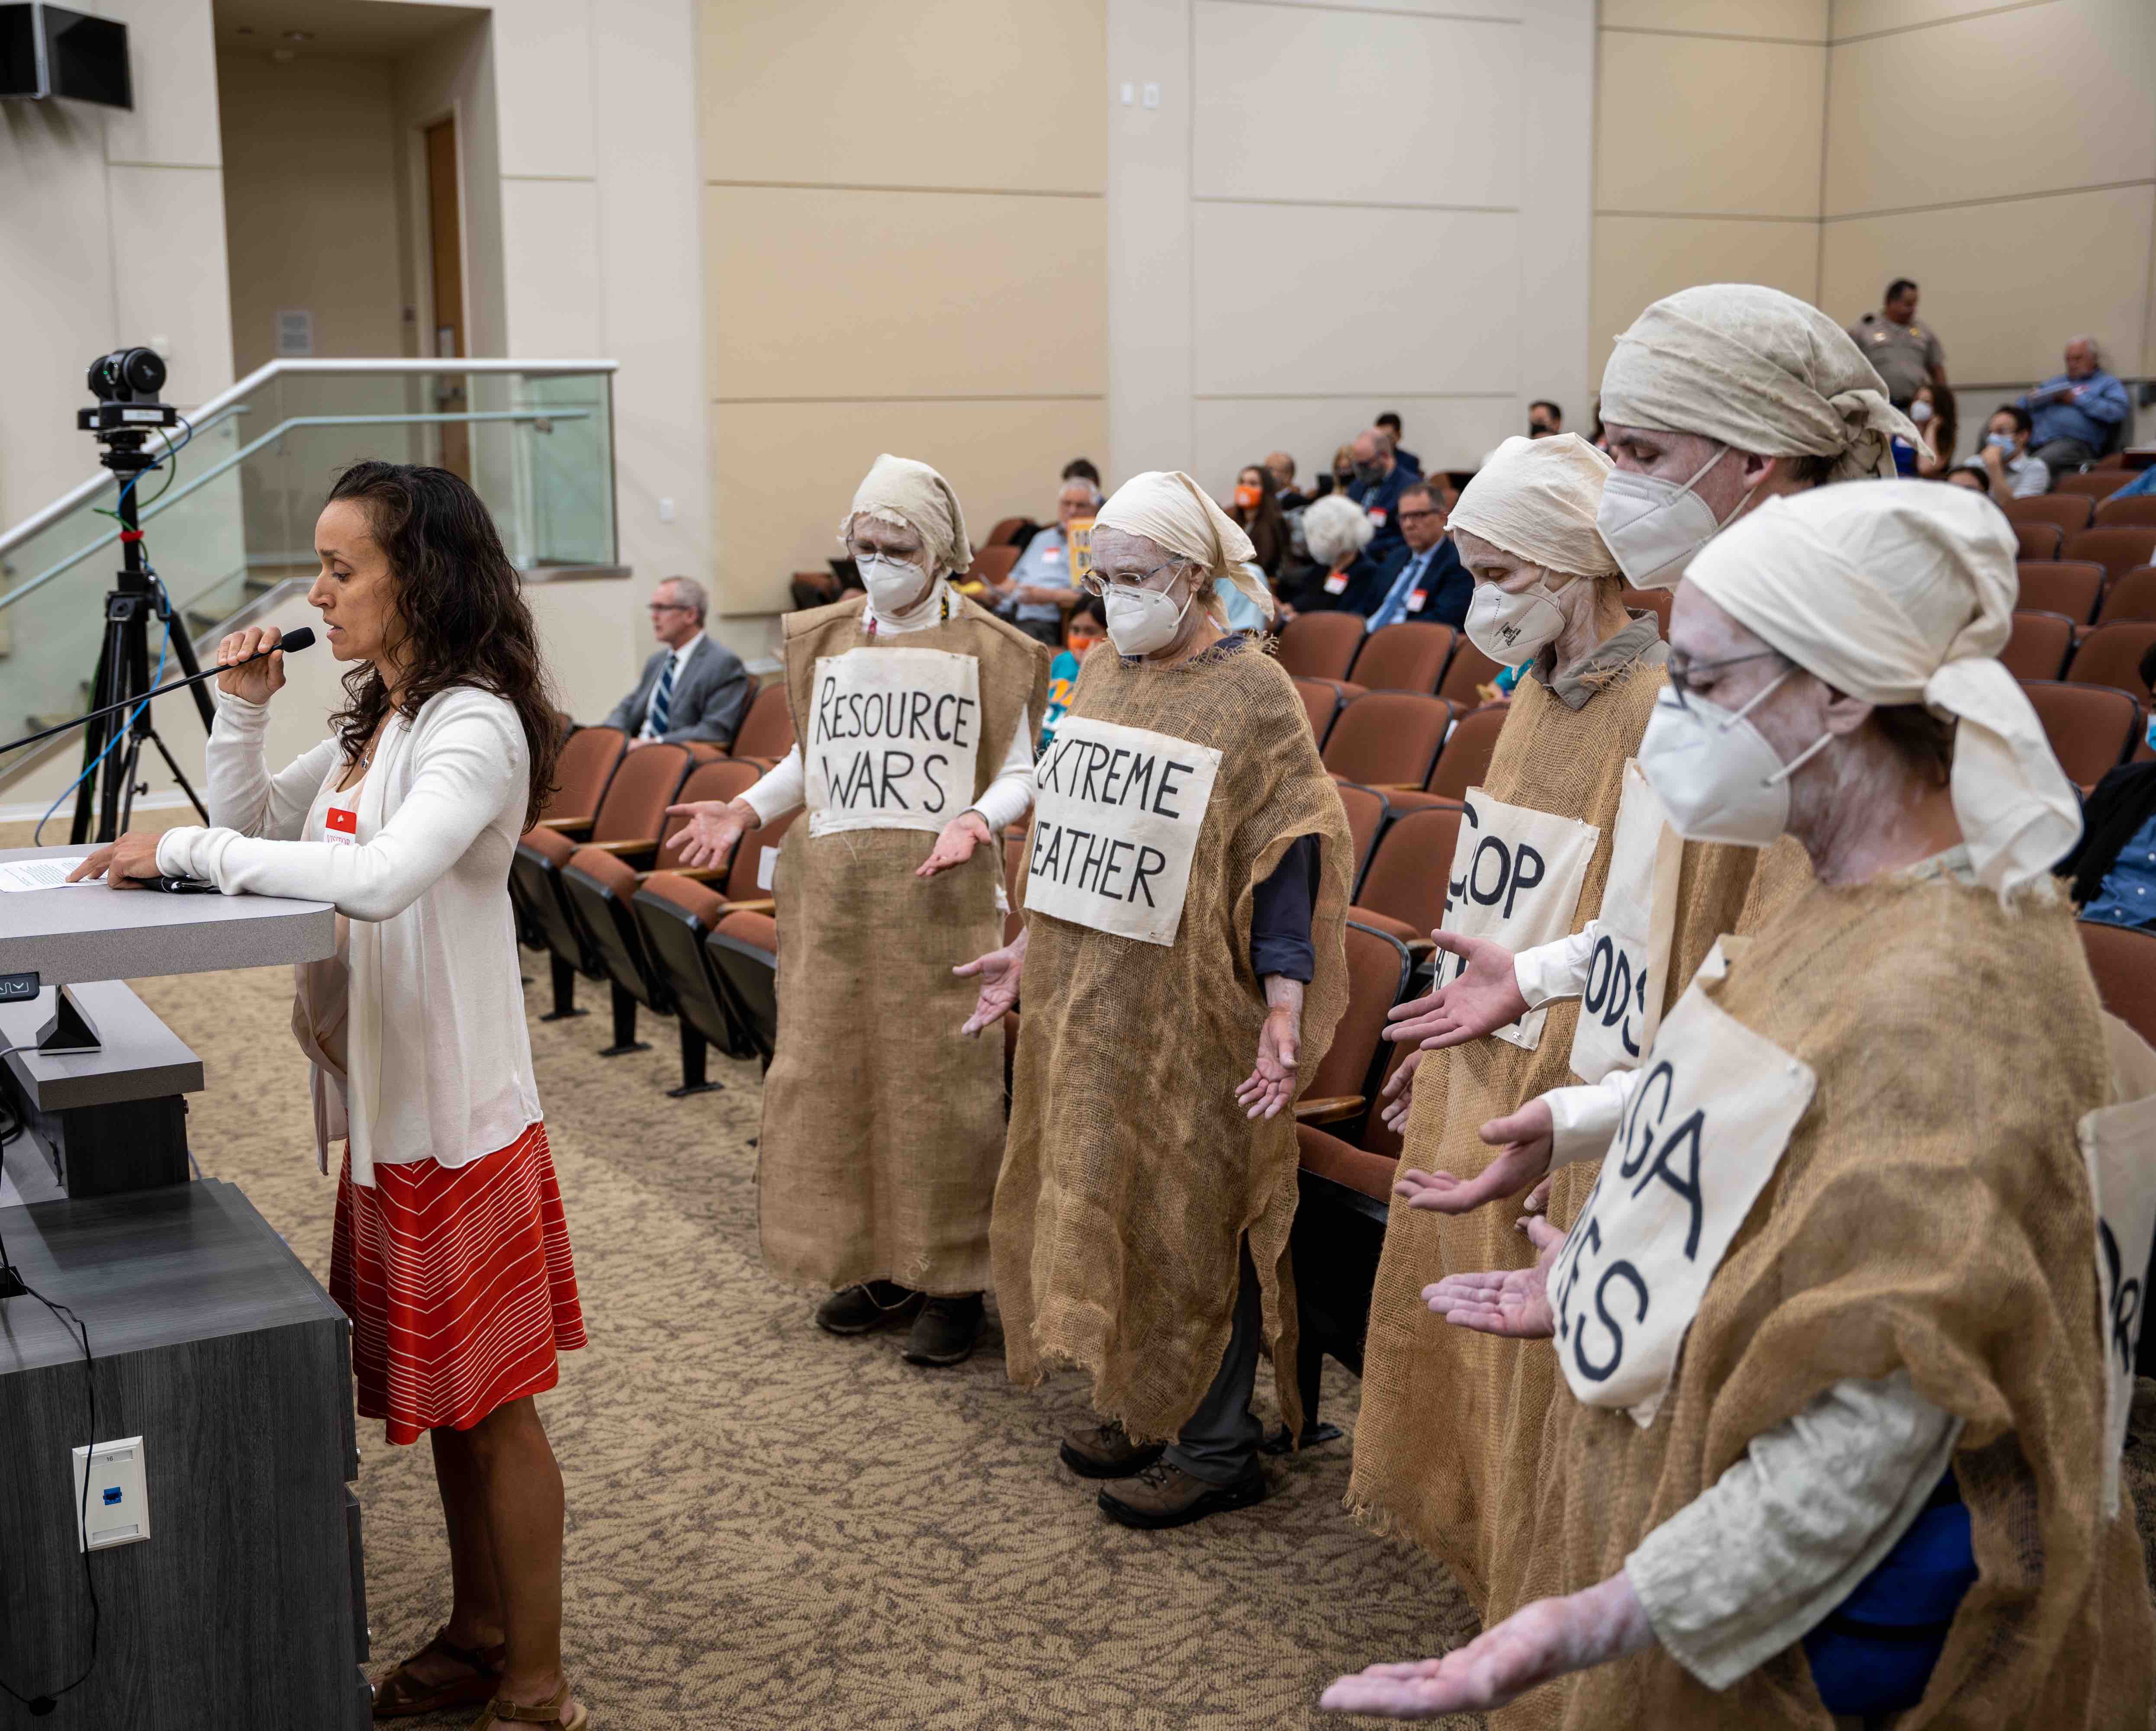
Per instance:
(1484,997)
(954,845)
(1270,1087)
(1536,1644)
(1397,1094)
(1510,1302)
(1522,1142)
(714,826)
(999,973)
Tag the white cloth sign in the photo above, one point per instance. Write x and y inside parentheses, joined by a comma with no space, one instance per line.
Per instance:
(2118,1144)
(1627,971)
(1116,827)
(894,738)
(1517,876)
(1704,1131)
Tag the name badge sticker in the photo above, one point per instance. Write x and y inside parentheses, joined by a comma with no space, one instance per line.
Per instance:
(1116,826)
(1336,585)
(340,825)
(1706,1127)
(1415,599)
(1517,876)
(1378,516)
(894,740)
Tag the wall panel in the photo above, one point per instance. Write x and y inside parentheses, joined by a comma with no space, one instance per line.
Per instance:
(1993,284)
(2038,100)
(1708,126)
(550,245)
(787,470)
(1867,17)
(1795,20)
(1639,259)
(1264,127)
(1445,432)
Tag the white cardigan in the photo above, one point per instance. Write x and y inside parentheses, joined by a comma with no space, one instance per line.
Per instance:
(436,1004)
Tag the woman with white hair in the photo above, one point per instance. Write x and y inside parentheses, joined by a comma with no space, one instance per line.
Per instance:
(1341,576)
(1562,836)
(914,711)
(1181,970)
(1848,1323)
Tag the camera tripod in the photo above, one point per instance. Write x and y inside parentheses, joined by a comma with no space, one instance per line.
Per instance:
(123,663)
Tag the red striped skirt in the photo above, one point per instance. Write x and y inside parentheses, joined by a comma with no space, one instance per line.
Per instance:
(459,1284)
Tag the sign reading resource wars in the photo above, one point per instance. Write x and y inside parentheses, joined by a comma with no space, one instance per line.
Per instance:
(1622,1004)
(1517,876)
(2119,1144)
(1704,1130)
(894,737)
(1116,827)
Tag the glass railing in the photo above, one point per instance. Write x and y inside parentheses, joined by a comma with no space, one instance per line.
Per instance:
(231,512)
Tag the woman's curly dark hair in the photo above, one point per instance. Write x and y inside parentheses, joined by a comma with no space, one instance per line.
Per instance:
(462,607)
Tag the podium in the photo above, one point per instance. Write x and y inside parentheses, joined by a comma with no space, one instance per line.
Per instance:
(244,1606)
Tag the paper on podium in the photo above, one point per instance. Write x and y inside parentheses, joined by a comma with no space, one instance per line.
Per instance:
(38,874)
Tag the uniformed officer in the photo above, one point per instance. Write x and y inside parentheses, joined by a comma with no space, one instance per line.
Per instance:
(1904,353)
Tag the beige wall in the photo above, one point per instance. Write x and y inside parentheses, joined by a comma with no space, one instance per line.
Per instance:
(904,249)
(312,218)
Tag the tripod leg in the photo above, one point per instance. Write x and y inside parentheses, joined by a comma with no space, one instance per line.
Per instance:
(94,736)
(131,633)
(131,760)
(179,775)
(183,647)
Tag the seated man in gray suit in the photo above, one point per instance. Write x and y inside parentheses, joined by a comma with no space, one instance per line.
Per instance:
(692,688)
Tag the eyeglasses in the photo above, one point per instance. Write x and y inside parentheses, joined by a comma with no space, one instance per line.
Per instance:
(670,607)
(1682,673)
(1410,515)
(1095,584)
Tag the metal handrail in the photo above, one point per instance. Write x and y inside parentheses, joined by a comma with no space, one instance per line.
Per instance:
(21,591)
(274,369)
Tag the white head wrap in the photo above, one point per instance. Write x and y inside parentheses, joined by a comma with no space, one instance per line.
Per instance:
(899,490)
(1903,593)
(1758,370)
(1536,498)
(1172,511)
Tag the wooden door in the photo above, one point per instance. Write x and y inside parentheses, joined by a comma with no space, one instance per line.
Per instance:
(445,238)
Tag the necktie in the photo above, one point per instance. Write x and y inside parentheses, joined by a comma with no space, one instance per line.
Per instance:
(1396,603)
(662,700)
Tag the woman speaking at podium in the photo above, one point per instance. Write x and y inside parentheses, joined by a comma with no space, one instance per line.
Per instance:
(450,1255)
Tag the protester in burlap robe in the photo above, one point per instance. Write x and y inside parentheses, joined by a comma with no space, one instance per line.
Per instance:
(878,1157)
(1149,1183)
(1439,1405)
(1843,1444)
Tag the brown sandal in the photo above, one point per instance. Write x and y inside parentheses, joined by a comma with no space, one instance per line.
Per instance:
(401,1695)
(547,1713)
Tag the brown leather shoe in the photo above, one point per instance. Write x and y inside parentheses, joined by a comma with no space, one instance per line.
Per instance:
(945,1332)
(863,1309)
(1165,1496)
(1105,1452)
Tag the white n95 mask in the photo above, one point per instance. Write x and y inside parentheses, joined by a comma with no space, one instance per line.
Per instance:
(893,584)
(1716,775)
(1512,628)
(1142,620)
(1653,526)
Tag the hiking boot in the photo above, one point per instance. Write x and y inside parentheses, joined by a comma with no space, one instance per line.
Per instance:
(1165,1496)
(863,1309)
(1105,1452)
(945,1331)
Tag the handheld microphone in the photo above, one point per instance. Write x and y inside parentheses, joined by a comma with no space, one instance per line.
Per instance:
(303,638)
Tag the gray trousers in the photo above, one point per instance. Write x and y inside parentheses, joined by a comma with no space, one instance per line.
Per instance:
(2062,456)
(1219,1443)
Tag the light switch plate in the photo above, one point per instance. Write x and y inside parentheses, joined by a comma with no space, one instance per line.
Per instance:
(119,1511)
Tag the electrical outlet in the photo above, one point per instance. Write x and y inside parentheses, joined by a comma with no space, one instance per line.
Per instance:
(665,510)
(118,1497)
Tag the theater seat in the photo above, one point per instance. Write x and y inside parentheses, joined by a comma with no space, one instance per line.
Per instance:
(2139,512)
(2037,645)
(675,914)
(2112,655)
(2038,541)
(2092,728)
(2118,551)
(535,889)
(1408,656)
(1388,738)
(2053,586)
(2091,485)
(1402,890)
(744,949)
(2068,511)
(1321,701)
(1340,1219)
(2132,599)
(588,758)
(1366,813)
(1469,670)
(599,885)
(721,780)
(1465,759)
(1320,645)
(766,731)
(1657,601)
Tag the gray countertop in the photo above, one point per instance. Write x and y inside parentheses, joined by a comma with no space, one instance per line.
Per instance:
(86,931)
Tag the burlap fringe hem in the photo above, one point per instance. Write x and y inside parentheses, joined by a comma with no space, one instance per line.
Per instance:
(1382,1521)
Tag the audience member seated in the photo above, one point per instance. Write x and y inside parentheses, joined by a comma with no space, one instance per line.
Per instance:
(1341,477)
(1280,467)
(1424,580)
(1341,577)
(692,688)
(1034,594)
(1379,479)
(1390,423)
(2077,412)
(1937,417)
(1972,474)
(1902,352)
(1081,468)
(2013,472)
(1087,625)
(2112,872)
(1257,513)
(1544,418)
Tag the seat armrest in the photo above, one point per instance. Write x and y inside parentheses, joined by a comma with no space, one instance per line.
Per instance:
(1418,947)
(574,827)
(695,874)
(767,905)
(1329,1111)
(624,849)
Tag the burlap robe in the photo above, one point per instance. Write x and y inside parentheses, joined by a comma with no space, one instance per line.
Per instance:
(1932,1212)
(883,1124)
(1131,1172)
(1445,1447)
